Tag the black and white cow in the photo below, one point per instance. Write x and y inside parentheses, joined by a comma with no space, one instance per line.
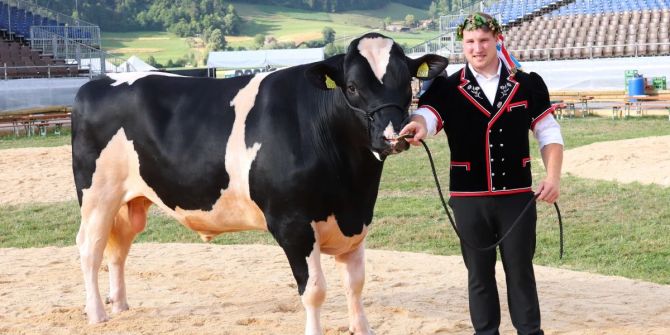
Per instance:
(298,152)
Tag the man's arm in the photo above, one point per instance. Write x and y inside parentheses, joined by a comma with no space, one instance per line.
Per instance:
(549,188)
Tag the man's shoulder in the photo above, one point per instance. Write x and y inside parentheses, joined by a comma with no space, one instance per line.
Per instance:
(451,80)
(524,77)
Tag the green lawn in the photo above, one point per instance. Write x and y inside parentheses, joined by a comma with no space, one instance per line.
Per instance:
(161,45)
(610,228)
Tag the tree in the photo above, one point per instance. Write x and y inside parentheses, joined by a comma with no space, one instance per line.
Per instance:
(432,10)
(442,8)
(410,21)
(259,40)
(332,49)
(328,35)
(216,40)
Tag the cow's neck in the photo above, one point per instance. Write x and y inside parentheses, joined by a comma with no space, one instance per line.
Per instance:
(348,154)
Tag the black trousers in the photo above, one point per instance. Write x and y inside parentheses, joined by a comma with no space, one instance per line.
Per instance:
(482,221)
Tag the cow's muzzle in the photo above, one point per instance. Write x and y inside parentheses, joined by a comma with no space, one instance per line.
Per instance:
(398,143)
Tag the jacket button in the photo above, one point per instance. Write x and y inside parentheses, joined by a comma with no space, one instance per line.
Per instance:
(494,188)
(503,173)
(501,144)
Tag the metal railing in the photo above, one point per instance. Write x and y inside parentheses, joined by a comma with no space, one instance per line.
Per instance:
(38,71)
(60,18)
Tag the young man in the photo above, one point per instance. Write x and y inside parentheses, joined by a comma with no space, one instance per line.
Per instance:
(486,110)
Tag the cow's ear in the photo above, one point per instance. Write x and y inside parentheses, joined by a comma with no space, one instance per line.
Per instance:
(427,66)
(326,75)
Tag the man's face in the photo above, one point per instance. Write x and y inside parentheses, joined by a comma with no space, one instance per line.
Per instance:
(479,48)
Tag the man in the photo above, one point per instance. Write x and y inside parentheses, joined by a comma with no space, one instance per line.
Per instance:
(486,110)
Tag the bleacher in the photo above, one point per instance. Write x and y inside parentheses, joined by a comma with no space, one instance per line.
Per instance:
(37,42)
(578,29)
(19,61)
(574,36)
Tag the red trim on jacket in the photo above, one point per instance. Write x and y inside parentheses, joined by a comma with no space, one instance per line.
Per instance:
(523,103)
(465,93)
(466,165)
(525,161)
(490,193)
(549,110)
(440,123)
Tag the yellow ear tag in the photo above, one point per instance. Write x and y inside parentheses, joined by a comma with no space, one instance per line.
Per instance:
(422,72)
(330,83)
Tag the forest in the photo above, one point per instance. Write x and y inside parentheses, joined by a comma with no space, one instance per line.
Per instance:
(190,17)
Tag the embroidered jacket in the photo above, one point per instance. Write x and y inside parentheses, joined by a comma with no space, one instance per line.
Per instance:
(489,144)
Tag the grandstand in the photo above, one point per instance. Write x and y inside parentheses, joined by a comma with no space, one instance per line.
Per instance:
(573,29)
(37,42)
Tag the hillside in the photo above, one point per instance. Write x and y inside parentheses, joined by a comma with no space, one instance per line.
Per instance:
(283,23)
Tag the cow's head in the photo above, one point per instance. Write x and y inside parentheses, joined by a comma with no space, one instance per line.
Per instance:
(374,79)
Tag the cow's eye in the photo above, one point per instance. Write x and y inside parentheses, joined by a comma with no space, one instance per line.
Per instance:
(351,89)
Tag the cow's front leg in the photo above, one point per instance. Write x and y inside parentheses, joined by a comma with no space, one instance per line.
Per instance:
(306,267)
(352,267)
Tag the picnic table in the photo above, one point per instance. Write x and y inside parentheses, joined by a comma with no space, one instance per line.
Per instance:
(37,121)
(638,102)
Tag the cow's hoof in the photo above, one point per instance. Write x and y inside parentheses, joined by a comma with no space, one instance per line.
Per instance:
(97,319)
(98,316)
(118,307)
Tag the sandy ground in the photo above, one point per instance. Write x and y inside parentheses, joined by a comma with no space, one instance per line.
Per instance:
(644,160)
(210,289)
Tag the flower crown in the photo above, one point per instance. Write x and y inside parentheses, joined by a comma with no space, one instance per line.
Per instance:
(478,21)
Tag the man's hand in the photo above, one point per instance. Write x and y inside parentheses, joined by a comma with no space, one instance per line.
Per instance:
(549,190)
(416,126)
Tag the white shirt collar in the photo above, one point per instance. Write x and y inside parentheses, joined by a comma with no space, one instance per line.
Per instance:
(481,76)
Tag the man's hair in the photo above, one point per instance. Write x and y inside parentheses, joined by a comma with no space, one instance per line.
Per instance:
(476,21)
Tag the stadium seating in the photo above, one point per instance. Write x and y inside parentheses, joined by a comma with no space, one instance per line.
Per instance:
(613,34)
(18,61)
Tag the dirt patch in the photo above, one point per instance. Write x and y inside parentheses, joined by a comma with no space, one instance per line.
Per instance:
(212,289)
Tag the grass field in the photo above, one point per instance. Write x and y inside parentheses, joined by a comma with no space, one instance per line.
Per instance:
(610,228)
(161,45)
(285,24)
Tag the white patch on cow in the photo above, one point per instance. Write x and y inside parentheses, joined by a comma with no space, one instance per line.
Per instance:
(389,133)
(131,77)
(331,239)
(234,210)
(378,52)
(377,155)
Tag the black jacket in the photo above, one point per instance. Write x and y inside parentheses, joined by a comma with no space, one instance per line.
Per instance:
(489,144)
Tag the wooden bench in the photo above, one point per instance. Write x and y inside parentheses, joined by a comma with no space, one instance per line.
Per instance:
(640,101)
(37,120)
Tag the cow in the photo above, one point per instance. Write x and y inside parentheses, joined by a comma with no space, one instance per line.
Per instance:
(297,152)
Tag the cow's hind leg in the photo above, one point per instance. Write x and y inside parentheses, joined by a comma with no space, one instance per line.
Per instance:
(304,256)
(352,267)
(129,221)
(97,218)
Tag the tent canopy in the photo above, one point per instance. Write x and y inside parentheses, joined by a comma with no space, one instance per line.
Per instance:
(135,64)
(263,58)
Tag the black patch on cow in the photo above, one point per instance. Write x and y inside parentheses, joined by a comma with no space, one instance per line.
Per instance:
(179,128)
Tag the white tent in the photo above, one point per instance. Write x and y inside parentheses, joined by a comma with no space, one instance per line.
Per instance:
(135,64)
(263,58)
